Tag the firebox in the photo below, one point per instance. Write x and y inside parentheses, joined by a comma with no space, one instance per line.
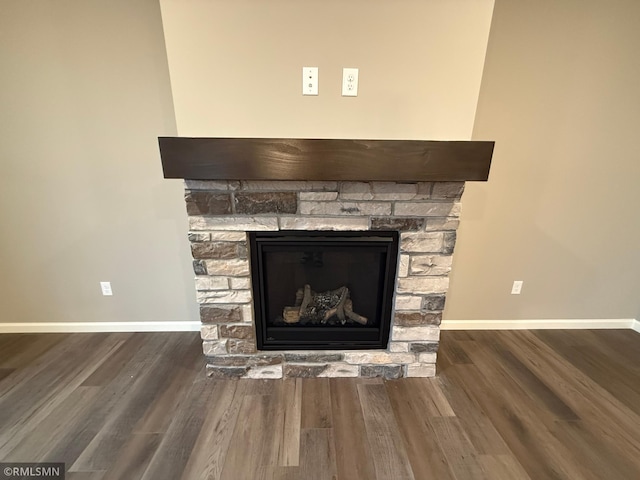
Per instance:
(323,290)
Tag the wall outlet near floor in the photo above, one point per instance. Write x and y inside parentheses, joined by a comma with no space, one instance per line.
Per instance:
(517,287)
(106,288)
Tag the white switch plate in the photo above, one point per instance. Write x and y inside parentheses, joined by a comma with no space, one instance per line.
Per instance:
(309,80)
(517,287)
(349,82)
(106,288)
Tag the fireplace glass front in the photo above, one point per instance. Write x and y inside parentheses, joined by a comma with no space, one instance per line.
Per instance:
(323,290)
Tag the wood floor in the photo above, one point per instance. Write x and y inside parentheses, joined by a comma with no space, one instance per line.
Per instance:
(505,405)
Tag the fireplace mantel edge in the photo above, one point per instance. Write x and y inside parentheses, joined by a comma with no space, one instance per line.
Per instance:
(325,159)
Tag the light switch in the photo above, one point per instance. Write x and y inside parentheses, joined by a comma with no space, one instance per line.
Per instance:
(309,80)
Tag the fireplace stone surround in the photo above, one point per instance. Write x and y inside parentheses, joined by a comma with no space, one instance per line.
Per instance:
(222,210)
(220,214)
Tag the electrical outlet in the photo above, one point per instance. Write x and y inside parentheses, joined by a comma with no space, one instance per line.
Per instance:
(106,288)
(349,82)
(309,80)
(517,287)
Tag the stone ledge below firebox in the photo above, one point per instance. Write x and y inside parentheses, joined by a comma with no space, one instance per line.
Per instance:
(323,364)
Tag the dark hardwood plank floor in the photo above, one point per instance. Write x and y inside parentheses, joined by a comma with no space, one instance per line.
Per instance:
(512,405)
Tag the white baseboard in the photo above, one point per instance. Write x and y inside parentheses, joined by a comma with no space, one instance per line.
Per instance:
(78,327)
(541,324)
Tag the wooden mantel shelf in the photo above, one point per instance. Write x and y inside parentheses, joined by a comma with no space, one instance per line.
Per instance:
(328,159)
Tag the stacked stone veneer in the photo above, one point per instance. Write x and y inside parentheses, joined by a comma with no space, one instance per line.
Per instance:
(220,214)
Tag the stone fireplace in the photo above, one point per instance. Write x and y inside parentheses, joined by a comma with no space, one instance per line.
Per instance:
(223,211)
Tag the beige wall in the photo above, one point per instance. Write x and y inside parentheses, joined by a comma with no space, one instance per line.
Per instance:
(84,92)
(561,97)
(236,67)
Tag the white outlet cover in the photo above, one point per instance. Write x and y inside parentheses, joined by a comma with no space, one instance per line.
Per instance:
(349,82)
(517,287)
(106,288)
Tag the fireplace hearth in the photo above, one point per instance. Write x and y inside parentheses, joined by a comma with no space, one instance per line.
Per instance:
(323,290)
(322,258)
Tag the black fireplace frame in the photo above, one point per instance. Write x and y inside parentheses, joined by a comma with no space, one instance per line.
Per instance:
(325,337)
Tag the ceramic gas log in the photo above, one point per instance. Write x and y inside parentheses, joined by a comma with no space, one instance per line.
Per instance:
(325,308)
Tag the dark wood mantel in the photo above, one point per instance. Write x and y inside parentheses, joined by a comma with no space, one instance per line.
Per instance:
(329,159)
